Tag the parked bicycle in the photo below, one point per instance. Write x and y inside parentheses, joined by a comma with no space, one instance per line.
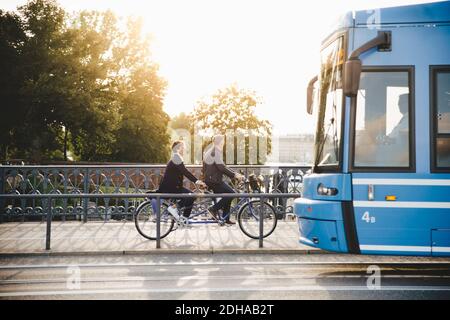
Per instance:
(247,210)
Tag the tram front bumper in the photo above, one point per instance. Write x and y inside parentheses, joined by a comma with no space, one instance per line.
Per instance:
(321,224)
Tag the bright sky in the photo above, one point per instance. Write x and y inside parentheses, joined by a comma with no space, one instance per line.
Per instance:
(270,46)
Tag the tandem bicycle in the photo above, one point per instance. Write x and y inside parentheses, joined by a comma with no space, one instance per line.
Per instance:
(247,210)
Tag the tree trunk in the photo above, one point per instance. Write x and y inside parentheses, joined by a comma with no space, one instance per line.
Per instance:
(65,144)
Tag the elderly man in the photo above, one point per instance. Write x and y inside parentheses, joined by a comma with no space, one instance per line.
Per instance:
(213,170)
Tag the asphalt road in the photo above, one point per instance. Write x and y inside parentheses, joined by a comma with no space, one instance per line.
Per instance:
(220,276)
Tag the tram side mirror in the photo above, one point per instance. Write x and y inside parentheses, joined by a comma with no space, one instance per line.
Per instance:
(310,95)
(309,99)
(352,75)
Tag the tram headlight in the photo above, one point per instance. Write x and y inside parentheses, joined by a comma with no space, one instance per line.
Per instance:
(326,191)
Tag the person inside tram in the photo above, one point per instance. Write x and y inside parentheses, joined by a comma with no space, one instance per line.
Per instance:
(398,138)
(381,149)
(403,125)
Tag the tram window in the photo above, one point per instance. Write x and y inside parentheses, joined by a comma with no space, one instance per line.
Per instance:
(441,99)
(443,102)
(382,128)
(443,152)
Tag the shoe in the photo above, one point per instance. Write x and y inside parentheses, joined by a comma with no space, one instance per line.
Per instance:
(230,223)
(214,213)
(174,212)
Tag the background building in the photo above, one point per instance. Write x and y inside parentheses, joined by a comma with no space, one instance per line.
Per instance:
(294,148)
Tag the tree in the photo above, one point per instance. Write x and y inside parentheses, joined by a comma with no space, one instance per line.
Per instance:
(181,121)
(233,109)
(93,101)
(66,88)
(142,135)
(12,36)
(84,82)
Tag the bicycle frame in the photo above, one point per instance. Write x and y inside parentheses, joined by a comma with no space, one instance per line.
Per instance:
(233,209)
(221,220)
(246,206)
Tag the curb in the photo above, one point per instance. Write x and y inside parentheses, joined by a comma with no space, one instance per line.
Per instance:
(160,251)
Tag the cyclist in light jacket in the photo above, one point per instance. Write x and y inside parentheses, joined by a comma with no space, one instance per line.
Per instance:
(213,170)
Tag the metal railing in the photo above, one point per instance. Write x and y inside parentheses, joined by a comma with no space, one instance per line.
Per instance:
(79,188)
(158,196)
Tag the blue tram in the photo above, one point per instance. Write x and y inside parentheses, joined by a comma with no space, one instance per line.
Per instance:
(380,182)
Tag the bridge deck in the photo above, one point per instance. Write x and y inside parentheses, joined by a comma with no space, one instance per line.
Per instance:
(116,237)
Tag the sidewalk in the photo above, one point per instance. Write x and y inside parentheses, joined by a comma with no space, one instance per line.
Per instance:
(122,238)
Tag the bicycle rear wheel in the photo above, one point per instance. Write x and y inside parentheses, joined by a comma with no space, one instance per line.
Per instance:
(249,215)
(145,220)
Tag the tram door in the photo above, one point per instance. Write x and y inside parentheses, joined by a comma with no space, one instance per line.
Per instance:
(384,190)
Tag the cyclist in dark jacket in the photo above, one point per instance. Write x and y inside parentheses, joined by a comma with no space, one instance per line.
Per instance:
(213,170)
(172,181)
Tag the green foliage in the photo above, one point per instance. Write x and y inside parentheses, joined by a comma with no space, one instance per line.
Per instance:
(82,83)
(181,121)
(12,37)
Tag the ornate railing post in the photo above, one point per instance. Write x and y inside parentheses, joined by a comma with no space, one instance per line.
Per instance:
(86,191)
(286,190)
(158,222)
(261,222)
(48,234)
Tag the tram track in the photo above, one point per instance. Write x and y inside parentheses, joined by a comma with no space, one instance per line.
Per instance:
(193,277)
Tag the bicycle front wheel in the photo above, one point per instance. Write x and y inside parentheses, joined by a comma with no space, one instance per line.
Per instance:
(145,220)
(249,217)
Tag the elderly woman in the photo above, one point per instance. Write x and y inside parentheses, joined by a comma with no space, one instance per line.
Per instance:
(172,181)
